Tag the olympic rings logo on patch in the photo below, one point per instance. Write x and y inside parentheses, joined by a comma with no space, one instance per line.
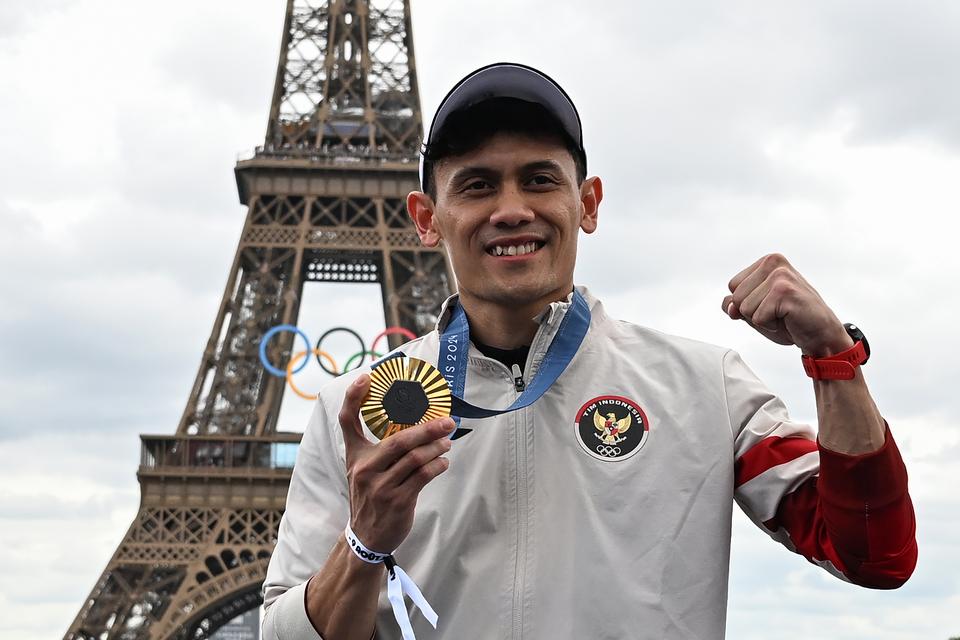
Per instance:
(322,355)
(608,451)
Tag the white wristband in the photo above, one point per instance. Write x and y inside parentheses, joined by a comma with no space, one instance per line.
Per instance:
(360,550)
(398,583)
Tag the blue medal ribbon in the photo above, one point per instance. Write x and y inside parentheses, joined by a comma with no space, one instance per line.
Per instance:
(454,345)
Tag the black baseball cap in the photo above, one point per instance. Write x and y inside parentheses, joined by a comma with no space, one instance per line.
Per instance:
(506,80)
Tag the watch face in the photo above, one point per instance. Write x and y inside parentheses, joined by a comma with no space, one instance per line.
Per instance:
(854,332)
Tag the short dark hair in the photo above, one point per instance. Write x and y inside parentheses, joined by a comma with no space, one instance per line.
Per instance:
(468,129)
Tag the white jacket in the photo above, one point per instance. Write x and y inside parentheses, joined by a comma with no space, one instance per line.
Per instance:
(528,534)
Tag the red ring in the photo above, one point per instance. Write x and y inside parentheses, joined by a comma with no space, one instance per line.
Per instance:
(389,331)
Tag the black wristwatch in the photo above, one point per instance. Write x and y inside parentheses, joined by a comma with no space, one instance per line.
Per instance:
(854,332)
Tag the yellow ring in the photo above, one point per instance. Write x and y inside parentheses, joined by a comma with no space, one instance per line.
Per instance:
(295,359)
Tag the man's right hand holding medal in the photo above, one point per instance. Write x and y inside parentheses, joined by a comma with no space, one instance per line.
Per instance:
(385,479)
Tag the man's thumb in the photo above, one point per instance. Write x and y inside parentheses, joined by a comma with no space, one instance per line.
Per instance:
(350,410)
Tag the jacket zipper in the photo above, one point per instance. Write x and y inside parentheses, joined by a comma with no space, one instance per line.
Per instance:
(520,477)
(523,511)
(520,562)
(522,473)
(518,382)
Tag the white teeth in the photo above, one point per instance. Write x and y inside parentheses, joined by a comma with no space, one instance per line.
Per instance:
(514,250)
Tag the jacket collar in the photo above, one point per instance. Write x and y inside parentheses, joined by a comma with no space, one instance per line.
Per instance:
(551,316)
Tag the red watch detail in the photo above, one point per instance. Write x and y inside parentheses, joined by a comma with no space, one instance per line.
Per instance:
(839,366)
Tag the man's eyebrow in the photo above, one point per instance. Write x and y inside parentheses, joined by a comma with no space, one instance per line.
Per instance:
(468,172)
(540,165)
(478,170)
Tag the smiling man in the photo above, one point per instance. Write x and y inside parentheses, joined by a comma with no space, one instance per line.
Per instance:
(509,207)
(595,501)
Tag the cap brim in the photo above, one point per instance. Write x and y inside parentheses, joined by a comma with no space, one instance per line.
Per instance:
(507,80)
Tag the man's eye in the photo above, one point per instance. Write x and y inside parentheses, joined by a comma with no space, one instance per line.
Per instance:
(476,185)
(541,180)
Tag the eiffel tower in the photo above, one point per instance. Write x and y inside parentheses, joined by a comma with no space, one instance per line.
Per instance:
(325,197)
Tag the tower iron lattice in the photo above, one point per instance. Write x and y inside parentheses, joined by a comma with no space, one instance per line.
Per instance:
(325,197)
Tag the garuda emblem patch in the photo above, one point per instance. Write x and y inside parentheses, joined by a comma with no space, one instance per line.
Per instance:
(611,427)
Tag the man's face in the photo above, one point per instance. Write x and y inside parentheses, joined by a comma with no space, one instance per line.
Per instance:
(509,213)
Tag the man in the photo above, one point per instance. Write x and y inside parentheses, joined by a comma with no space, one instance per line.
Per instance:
(602,509)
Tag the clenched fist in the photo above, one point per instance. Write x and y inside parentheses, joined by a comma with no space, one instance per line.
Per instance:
(773,298)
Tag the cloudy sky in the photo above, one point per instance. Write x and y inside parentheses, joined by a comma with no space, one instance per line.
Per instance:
(827,131)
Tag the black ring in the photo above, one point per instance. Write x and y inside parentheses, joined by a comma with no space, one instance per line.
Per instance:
(356,335)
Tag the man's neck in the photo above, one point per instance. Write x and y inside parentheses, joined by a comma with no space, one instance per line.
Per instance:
(505,326)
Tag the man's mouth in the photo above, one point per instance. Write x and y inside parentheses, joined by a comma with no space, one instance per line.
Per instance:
(515,249)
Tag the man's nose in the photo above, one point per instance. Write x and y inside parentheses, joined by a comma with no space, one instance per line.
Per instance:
(512,209)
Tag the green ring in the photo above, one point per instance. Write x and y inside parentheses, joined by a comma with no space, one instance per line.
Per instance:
(361,355)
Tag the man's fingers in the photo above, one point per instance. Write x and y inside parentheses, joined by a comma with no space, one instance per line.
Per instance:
(350,412)
(392,449)
(748,306)
(737,279)
(749,284)
(421,476)
(765,314)
(398,473)
(730,308)
(752,276)
(760,308)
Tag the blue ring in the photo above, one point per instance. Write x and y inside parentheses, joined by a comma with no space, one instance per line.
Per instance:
(263,349)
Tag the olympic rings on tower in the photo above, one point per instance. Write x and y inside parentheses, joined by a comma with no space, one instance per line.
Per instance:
(322,355)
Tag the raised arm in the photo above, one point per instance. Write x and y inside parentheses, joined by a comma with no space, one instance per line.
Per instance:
(855,513)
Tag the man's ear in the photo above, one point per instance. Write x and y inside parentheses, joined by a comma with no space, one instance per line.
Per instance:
(420,207)
(591,193)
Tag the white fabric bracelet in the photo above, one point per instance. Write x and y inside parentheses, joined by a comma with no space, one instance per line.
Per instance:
(398,583)
(360,550)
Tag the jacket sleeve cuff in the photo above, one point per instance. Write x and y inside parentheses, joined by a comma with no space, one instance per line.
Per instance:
(877,478)
(290,620)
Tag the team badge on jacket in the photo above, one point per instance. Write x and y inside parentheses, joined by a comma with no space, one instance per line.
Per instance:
(611,427)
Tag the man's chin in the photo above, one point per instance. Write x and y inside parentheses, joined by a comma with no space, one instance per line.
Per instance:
(516,293)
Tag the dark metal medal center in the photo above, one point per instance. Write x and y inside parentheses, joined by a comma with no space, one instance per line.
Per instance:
(405,402)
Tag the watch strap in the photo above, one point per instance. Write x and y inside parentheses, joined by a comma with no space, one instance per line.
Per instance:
(839,366)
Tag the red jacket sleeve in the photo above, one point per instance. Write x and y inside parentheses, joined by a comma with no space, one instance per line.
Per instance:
(856,514)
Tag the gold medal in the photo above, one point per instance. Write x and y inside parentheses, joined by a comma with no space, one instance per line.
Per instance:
(404,392)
